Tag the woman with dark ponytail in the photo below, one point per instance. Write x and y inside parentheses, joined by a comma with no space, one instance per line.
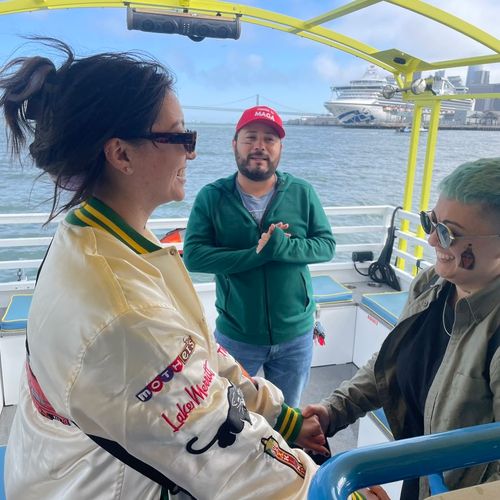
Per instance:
(126,394)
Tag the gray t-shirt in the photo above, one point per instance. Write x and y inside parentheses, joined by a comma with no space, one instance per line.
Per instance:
(256,205)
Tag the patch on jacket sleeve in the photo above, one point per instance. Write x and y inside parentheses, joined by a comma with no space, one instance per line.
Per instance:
(274,450)
(237,415)
(177,365)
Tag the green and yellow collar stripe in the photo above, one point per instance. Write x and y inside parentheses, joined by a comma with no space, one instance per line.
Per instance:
(289,423)
(96,214)
(356,496)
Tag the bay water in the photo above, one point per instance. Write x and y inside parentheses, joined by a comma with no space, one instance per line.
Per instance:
(346,167)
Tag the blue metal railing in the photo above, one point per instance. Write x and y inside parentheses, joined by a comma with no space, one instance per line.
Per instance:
(405,459)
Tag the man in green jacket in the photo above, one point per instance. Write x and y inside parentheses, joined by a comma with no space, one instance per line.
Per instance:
(256,231)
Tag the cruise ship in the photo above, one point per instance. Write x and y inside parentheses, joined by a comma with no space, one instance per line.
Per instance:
(362,101)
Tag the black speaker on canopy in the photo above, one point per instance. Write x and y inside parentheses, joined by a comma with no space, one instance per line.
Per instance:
(195,27)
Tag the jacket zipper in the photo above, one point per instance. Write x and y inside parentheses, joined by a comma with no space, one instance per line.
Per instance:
(260,229)
(269,326)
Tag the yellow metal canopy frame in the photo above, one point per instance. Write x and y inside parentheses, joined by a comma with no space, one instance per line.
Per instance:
(399,63)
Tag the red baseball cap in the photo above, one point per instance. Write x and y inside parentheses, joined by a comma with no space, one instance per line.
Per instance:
(262,114)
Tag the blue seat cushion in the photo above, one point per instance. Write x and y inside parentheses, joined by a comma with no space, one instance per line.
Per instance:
(388,305)
(15,318)
(2,464)
(327,290)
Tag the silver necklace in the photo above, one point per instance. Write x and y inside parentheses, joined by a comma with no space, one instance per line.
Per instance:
(443,315)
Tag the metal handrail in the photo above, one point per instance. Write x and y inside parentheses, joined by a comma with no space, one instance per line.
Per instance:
(405,459)
(383,212)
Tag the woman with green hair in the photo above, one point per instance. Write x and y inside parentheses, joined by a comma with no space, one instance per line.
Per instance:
(439,369)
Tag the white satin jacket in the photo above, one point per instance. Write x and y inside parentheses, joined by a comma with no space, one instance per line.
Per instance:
(120,349)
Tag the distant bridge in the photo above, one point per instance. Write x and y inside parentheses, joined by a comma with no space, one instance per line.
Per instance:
(256,97)
(240,110)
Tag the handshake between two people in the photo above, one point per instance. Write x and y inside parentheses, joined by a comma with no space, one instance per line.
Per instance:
(312,438)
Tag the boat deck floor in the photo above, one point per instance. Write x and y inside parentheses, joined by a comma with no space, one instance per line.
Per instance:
(323,381)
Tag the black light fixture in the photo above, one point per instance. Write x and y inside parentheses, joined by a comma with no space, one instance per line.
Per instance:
(193,26)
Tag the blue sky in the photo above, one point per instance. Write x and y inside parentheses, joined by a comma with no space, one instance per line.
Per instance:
(288,72)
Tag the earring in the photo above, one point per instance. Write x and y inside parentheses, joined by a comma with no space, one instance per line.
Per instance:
(128,170)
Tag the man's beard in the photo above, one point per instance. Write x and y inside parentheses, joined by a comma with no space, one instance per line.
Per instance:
(255,174)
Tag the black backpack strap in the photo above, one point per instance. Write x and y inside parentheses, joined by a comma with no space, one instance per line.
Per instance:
(143,468)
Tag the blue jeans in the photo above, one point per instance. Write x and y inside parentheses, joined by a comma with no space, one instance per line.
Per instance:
(286,365)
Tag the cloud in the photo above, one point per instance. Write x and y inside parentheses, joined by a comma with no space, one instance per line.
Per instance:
(254,61)
(325,67)
(236,69)
(417,35)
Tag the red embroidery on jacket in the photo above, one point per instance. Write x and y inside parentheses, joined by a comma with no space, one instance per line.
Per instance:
(197,394)
(40,401)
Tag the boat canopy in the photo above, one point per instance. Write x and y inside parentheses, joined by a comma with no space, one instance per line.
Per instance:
(395,61)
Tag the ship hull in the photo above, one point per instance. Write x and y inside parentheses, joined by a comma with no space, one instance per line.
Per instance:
(372,112)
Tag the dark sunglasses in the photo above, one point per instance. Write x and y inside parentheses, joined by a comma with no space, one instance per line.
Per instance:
(187,138)
(444,233)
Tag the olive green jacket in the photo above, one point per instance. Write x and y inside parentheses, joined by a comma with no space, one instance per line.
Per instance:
(465,391)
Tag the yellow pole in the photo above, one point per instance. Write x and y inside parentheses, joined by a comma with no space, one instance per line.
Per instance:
(410,175)
(428,169)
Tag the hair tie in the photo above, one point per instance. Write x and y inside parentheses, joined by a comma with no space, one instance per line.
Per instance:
(31,92)
(35,83)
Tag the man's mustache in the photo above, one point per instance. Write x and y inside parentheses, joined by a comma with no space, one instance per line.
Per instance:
(257,156)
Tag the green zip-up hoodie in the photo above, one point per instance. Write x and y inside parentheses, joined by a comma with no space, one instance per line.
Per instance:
(263,298)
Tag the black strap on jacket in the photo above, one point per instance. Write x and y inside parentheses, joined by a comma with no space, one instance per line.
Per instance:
(143,468)
(120,453)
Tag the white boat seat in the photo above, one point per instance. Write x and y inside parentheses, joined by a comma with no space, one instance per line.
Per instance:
(328,291)
(12,347)
(387,306)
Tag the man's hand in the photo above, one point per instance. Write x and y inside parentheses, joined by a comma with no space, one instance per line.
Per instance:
(264,237)
(311,436)
(321,412)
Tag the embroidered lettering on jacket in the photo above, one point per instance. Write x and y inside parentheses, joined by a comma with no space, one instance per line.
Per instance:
(177,365)
(237,415)
(197,394)
(274,450)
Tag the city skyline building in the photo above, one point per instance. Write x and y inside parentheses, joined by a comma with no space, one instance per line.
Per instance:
(478,82)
